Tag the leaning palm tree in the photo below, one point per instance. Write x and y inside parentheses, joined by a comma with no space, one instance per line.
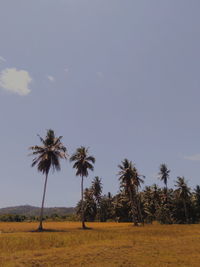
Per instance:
(82,163)
(48,157)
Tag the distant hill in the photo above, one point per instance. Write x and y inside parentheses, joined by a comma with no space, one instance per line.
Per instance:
(28,210)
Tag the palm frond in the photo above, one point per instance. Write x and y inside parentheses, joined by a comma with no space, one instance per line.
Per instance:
(49,154)
(82,161)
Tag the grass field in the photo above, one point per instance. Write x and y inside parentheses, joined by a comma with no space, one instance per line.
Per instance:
(106,244)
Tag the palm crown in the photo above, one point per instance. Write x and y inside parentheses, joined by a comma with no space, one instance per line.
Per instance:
(128,174)
(83,162)
(49,153)
(164,173)
(183,190)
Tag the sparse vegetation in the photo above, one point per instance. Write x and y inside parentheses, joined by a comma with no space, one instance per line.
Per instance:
(107,244)
(61,243)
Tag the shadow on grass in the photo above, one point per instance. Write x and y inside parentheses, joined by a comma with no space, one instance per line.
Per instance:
(58,230)
(85,229)
(49,231)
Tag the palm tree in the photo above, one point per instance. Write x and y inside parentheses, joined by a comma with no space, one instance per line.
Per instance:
(90,208)
(127,178)
(96,189)
(137,181)
(183,193)
(83,163)
(48,157)
(164,174)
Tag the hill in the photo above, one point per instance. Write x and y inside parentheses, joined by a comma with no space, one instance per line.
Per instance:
(28,210)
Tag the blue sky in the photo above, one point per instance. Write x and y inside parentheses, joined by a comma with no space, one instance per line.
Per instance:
(119,77)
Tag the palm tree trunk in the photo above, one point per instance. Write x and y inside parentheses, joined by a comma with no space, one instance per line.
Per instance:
(82,205)
(40,228)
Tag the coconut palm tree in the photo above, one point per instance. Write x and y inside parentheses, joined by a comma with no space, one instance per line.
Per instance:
(183,193)
(127,178)
(164,174)
(97,189)
(48,157)
(90,207)
(137,181)
(82,163)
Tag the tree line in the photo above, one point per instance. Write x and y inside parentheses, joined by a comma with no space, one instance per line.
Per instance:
(178,205)
(166,205)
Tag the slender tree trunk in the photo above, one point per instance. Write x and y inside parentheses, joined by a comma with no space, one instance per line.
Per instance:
(40,228)
(82,205)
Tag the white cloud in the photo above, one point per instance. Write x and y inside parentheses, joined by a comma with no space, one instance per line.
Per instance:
(2,59)
(51,78)
(195,157)
(15,81)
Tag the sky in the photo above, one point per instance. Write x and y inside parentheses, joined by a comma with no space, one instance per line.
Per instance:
(120,77)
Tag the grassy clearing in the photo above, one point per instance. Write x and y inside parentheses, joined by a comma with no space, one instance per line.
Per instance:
(107,244)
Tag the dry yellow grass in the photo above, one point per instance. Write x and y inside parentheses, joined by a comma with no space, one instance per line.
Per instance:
(107,244)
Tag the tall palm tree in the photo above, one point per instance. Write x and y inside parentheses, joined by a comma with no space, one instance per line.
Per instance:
(183,193)
(82,163)
(127,178)
(164,174)
(48,157)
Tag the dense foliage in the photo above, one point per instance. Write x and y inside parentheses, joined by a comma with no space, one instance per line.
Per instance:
(167,206)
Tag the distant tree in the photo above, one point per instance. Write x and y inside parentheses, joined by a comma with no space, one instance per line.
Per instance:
(183,193)
(122,208)
(48,157)
(127,177)
(151,200)
(90,207)
(164,174)
(106,208)
(96,189)
(137,181)
(82,163)
(197,202)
